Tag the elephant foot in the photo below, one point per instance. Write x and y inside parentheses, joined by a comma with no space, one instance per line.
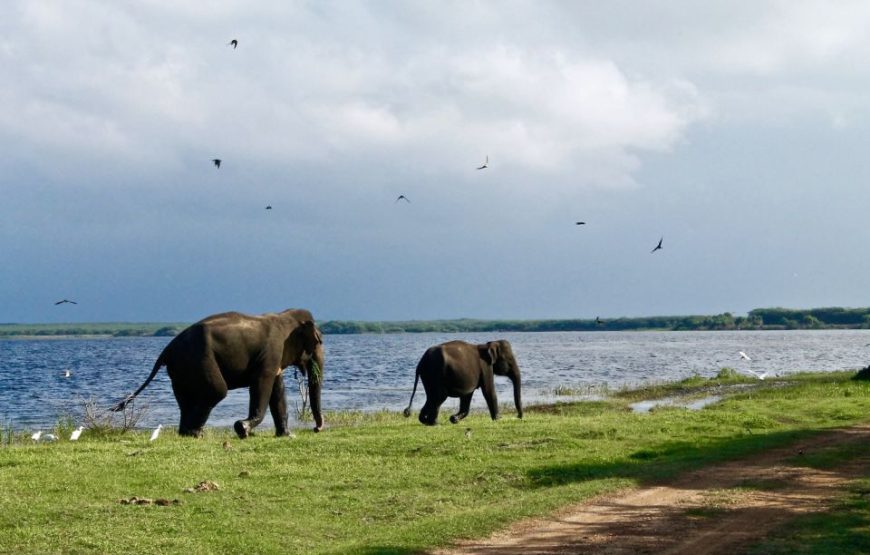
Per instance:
(190,433)
(456,418)
(242,428)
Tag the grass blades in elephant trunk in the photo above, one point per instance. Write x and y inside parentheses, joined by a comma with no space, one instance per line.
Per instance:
(381,483)
(315,385)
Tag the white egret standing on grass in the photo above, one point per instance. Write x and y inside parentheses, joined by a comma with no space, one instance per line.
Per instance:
(76,433)
(36,435)
(156,432)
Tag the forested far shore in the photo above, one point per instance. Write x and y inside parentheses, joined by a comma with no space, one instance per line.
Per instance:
(757,319)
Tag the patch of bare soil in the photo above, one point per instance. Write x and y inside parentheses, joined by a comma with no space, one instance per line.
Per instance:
(720,509)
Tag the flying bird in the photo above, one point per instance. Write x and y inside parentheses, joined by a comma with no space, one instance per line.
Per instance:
(581,223)
(217,162)
(403,197)
(269,207)
(234,43)
(759,375)
(743,355)
(599,321)
(658,247)
(65,301)
(36,435)
(67,373)
(485,164)
(76,433)
(156,432)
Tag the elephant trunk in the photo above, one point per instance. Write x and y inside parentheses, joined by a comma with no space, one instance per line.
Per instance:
(315,383)
(518,401)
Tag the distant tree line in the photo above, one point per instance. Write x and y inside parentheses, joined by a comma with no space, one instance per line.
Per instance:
(757,319)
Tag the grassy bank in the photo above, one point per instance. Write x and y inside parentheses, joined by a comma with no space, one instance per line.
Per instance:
(381,483)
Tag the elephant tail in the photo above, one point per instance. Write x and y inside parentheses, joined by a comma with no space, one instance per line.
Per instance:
(407,411)
(123,404)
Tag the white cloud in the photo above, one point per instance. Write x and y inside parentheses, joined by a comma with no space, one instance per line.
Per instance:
(152,84)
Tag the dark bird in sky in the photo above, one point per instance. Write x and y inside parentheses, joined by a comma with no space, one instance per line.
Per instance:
(599,321)
(403,197)
(581,223)
(65,301)
(234,43)
(485,164)
(217,162)
(658,247)
(269,207)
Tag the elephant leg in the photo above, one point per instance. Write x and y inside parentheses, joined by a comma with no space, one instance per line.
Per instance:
(464,407)
(278,406)
(195,402)
(261,392)
(429,412)
(487,387)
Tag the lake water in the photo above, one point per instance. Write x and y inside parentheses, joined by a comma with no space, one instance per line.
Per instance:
(371,372)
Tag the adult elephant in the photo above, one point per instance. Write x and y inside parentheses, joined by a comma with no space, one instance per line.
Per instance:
(232,350)
(456,369)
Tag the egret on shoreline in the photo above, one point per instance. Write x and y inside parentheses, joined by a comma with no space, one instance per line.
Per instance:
(156,432)
(36,435)
(76,433)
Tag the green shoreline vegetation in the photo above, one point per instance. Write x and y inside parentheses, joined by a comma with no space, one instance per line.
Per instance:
(381,483)
(757,319)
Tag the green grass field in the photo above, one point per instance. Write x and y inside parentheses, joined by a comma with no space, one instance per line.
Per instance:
(380,483)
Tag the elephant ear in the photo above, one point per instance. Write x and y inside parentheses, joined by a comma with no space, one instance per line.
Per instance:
(311,335)
(489,352)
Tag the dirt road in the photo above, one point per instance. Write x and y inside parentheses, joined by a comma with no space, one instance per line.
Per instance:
(720,509)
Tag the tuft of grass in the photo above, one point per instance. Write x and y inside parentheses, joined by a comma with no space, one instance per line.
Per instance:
(378,482)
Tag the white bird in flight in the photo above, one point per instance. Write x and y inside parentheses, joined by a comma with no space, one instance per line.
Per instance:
(67,373)
(36,435)
(485,164)
(759,375)
(76,433)
(156,432)
(743,355)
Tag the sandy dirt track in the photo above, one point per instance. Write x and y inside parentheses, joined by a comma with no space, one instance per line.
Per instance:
(719,509)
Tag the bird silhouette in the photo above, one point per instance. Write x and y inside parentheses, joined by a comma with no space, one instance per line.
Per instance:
(485,164)
(581,223)
(403,197)
(234,43)
(658,247)
(599,321)
(74,436)
(65,301)
(217,162)
(269,207)
(156,432)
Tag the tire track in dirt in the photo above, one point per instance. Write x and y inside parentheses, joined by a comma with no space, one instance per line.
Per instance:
(714,510)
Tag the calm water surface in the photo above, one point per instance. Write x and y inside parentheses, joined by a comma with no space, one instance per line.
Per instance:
(371,372)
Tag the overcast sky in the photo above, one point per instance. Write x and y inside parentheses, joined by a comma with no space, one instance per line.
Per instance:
(738,131)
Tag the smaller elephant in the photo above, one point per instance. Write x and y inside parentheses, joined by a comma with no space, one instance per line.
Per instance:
(456,369)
